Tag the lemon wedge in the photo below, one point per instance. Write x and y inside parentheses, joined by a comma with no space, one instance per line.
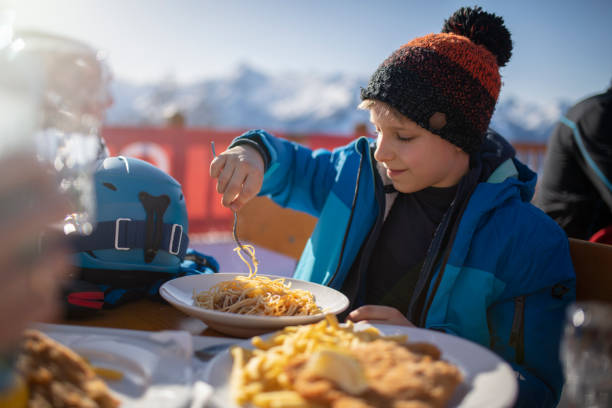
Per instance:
(339,367)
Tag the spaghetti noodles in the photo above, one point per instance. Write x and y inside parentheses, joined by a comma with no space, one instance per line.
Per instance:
(257,295)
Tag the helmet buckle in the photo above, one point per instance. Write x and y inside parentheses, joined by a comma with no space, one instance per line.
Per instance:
(117,228)
(176,228)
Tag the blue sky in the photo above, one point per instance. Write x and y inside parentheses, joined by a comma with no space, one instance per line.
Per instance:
(562,49)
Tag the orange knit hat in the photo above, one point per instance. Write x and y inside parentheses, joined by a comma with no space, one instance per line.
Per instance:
(455,73)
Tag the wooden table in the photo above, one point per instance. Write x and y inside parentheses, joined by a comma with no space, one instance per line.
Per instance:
(144,315)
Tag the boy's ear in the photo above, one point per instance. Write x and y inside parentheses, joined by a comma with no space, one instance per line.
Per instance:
(437,121)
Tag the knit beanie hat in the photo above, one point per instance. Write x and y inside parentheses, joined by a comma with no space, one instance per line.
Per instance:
(448,83)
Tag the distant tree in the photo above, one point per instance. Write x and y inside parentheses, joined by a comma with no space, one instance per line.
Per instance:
(161,99)
(175,118)
(361,129)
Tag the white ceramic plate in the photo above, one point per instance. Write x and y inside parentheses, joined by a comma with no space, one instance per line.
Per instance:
(488,380)
(179,293)
(156,367)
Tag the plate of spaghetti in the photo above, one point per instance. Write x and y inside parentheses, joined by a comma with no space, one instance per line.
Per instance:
(243,305)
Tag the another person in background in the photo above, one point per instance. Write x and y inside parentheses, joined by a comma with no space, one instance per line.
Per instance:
(431,223)
(576,185)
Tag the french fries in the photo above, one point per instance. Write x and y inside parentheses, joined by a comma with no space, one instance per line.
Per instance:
(258,376)
(107,373)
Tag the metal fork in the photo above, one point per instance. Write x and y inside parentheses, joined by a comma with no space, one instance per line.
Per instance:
(207,353)
(234,228)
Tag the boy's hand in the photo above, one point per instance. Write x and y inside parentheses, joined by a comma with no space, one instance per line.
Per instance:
(379,314)
(239,172)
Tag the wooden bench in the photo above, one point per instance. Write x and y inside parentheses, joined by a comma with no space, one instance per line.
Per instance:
(264,223)
(593,266)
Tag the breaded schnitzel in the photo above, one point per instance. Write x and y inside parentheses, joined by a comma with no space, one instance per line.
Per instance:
(397,376)
(58,377)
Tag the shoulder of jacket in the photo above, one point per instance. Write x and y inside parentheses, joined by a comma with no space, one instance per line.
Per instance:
(526,221)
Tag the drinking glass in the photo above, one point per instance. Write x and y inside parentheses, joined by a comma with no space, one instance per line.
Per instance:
(586,353)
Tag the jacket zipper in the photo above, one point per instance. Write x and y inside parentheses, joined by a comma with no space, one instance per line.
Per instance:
(517,340)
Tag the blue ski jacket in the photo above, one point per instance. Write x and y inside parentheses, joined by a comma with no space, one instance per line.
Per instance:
(498,271)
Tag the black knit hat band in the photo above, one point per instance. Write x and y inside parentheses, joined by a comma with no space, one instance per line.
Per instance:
(419,82)
(444,73)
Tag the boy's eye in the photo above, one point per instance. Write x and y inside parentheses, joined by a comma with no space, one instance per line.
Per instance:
(404,138)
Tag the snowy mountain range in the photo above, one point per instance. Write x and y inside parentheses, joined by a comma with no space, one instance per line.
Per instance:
(290,102)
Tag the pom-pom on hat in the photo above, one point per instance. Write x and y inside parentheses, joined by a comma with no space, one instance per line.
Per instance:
(448,83)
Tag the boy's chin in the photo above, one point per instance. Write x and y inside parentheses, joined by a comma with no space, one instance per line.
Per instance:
(403,188)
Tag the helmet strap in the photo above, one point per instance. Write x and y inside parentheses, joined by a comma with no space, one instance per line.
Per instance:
(154,207)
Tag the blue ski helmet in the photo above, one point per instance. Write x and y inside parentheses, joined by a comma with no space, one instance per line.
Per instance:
(141,219)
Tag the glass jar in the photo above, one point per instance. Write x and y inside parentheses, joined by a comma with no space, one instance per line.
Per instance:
(53,95)
(58,90)
(586,353)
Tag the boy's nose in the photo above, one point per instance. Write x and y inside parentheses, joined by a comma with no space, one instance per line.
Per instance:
(383,152)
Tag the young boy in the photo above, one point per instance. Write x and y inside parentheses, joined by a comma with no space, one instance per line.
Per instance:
(429,225)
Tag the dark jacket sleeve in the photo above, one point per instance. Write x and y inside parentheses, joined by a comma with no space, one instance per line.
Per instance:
(576,184)
(595,147)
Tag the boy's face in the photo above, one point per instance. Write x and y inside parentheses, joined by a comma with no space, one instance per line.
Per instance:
(415,158)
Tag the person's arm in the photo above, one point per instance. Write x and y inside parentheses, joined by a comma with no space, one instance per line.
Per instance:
(295,176)
(560,172)
(592,140)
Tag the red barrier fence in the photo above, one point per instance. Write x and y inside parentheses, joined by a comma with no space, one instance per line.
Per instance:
(186,153)
(532,154)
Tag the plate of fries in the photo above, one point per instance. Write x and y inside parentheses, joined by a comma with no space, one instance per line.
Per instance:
(442,370)
(235,303)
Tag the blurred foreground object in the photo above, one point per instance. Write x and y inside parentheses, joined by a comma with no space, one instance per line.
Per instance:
(29,202)
(586,352)
(59,377)
(55,91)
(586,349)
